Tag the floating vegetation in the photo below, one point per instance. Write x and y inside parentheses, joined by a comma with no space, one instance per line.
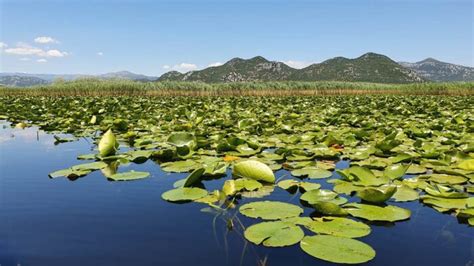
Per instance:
(394,149)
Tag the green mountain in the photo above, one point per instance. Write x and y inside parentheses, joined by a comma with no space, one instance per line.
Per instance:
(235,70)
(369,67)
(434,70)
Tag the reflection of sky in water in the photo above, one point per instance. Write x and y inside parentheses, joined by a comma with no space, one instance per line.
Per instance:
(92,221)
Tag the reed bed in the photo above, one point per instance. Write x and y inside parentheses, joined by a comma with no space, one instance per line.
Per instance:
(94,87)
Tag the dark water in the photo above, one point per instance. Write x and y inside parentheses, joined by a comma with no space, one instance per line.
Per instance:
(92,221)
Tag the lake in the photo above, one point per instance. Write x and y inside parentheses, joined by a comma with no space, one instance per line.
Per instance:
(93,221)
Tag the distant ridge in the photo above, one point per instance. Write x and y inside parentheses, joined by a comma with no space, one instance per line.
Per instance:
(369,67)
(434,70)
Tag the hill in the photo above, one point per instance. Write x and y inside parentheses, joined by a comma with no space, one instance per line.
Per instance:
(434,70)
(367,68)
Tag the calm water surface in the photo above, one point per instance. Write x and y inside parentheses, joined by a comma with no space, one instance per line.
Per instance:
(92,221)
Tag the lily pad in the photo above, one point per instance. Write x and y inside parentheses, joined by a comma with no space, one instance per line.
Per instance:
(270,210)
(376,213)
(274,234)
(338,227)
(405,193)
(377,194)
(108,144)
(337,249)
(184,194)
(126,176)
(254,170)
(313,173)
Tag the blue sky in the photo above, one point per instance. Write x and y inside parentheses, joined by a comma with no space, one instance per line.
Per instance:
(152,37)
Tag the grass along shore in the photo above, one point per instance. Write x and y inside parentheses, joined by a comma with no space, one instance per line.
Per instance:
(94,87)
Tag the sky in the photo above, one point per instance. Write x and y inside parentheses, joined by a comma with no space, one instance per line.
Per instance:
(153,37)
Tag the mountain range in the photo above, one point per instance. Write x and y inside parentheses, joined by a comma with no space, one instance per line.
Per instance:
(370,67)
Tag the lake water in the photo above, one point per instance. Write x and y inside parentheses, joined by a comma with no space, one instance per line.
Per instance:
(92,221)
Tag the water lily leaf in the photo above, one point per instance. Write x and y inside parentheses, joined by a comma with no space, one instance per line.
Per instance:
(70,173)
(179,166)
(270,210)
(194,177)
(467,165)
(254,170)
(211,198)
(344,187)
(89,166)
(405,193)
(318,195)
(127,176)
(259,193)
(377,194)
(415,169)
(376,213)
(311,172)
(184,194)
(274,234)
(181,139)
(447,179)
(362,176)
(329,208)
(108,144)
(396,171)
(231,187)
(290,184)
(471,221)
(337,249)
(445,203)
(438,190)
(338,227)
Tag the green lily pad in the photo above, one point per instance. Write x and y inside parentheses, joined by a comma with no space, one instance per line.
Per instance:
(337,249)
(108,144)
(254,170)
(194,177)
(270,210)
(376,213)
(311,172)
(179,166)
(405,193)
(396,171)
(338,227)
(447,179)
(184,194)
(89,166)
(415,169)
(377,194)
(329,208)
(467,165)
(126,176)
(318,195)
(70,173)
(274,234)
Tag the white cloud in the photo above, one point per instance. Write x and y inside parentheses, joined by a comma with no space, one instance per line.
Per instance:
(297,64)
(184,67)
(54,53)
(26,49)
(42,60)
(166,67)
(215,64)
(100,53)
(25,59)
(3,45)
(45,39)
